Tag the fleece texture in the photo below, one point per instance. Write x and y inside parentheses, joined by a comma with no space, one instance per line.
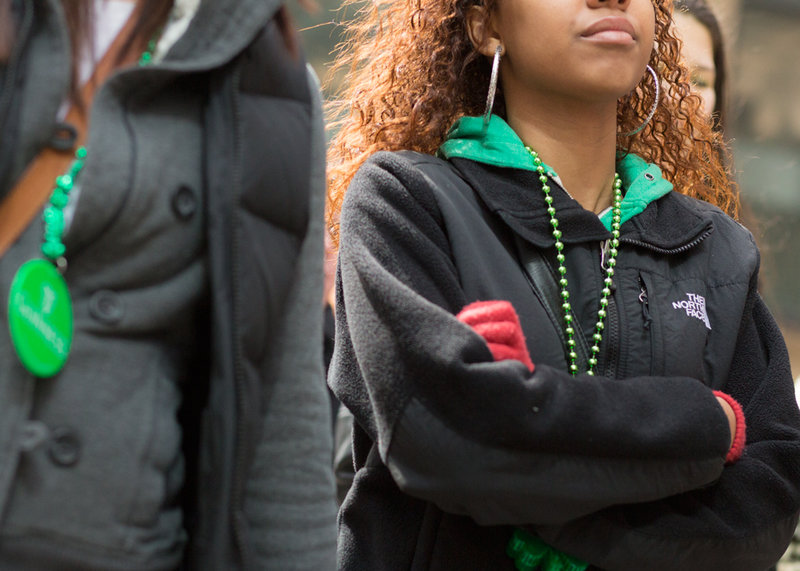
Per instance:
(625,470)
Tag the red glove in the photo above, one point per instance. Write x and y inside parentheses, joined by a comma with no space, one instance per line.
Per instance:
(498,324)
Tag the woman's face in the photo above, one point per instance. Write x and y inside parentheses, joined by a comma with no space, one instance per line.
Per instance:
(698,53)
(594,50)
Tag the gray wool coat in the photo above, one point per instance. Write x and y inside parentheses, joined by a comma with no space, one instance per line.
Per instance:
(190,426)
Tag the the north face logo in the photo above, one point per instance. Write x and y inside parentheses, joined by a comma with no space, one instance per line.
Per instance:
(695,306)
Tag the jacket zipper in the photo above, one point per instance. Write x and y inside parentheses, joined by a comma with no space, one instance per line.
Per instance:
(706,233)
(611,334)
(647,320)
(644,300)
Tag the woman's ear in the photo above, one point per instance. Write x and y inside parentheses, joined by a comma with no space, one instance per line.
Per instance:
(482,33)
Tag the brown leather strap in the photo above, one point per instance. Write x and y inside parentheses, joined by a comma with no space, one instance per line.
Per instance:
(35,185)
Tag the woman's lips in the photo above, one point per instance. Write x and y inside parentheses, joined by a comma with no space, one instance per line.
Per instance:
(612,30)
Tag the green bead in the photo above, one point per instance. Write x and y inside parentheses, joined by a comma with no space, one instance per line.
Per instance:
(592,362)
(612,262)
(564,294)
(615,243)
(526,563)
(590,373)
(597,337)
(81,153)
(606,291)
(551,211)
(562,270)
(53,250)
(573,368)
(610,272)
(554,223)
(568,318)
(59,198)
(595,349)
(601,313)
(543,179)
(604,302)
(571,342)
(54,225)
(64,182)
(600,325)
(573,355)
(51,214)
(559,245)
(566,306)
(613,252)
(557,234)
(615,234)
(608,282)
(570,331)
(545,188)
(561,258)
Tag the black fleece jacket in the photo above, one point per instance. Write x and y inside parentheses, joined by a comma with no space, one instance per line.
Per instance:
(624,470)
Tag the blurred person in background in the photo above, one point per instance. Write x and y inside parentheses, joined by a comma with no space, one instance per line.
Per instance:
(162,402)
(550,341)
(704,53)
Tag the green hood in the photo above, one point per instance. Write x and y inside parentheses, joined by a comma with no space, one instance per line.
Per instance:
(498,145)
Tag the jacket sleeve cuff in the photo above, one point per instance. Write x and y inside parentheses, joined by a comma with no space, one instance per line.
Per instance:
(740,437)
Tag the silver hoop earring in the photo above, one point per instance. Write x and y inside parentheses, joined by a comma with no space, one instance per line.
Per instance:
(653,108)
(492,86)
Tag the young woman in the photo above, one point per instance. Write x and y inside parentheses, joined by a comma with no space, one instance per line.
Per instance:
(549,333)
(176,415)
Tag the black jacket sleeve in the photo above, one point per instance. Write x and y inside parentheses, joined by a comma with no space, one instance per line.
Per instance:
(487,439)
(745,519)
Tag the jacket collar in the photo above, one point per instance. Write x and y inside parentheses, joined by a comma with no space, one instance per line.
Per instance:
(496,164)
(219,31)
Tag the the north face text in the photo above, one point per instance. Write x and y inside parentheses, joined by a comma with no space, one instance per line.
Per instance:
(695,306)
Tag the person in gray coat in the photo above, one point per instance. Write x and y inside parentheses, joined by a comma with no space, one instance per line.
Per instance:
(180,419)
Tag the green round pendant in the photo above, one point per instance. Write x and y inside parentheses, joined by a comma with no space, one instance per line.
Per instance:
(40,318)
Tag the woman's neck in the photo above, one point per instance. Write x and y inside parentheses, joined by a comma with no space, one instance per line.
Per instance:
(578,140)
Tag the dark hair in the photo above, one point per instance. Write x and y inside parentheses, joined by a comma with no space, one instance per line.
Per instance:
(150,16)
(702,12)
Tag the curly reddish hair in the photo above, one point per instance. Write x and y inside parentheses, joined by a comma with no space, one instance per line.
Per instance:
(411,71)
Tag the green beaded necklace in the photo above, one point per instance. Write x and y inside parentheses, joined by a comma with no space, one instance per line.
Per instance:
(39,304)
(562,270)
(528,551)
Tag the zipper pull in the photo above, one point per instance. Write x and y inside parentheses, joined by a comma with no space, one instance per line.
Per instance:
(605,245)
(645,303)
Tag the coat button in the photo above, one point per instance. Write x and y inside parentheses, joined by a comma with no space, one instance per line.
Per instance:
(106,306)
(184,203)
(65,447)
